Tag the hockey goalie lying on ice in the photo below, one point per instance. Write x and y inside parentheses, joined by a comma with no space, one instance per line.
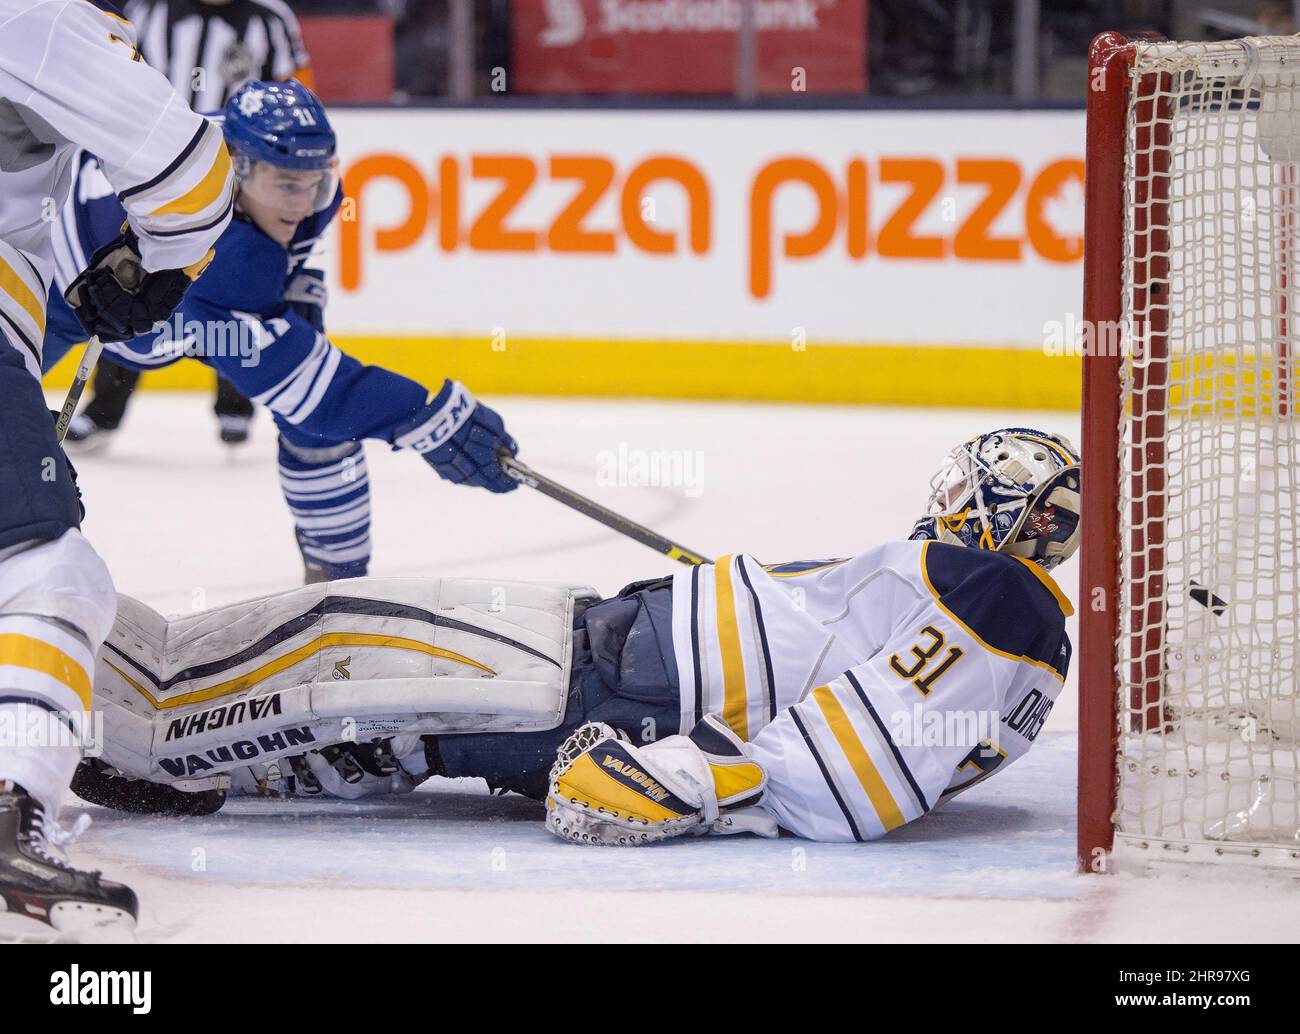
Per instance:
(816,697)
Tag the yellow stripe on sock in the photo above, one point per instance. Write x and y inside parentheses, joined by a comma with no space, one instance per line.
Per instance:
(24,651)
(891,816)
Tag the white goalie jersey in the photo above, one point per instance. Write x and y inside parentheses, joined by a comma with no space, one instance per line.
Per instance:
(872,689)
(70,77)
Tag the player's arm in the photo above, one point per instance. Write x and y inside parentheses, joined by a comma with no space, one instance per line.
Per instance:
(288,365)
(168,165)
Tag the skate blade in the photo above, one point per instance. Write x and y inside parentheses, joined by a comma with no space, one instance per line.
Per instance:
(72,925)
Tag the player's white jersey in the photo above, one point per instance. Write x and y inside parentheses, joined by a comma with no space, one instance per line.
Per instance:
(70,76)
(874,688)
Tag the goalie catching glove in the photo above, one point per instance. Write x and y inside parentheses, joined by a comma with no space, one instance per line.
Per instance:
(117,299)
(605,790)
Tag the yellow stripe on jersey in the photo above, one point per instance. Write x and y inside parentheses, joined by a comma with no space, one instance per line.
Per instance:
(16,288)
(938,602)
(203,193)
(735,695)
(1037,570)
(110,14)
(252,678)
(891,816)
(24,651)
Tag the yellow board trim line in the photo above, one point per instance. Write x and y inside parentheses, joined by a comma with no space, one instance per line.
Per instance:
(887,809)
(925,575)
(250,679)
(873,373)
(735,694)
(18,289)
(24,651)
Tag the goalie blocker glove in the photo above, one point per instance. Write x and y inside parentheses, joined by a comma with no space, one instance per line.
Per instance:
(606,791)
(117,299)
(462,439)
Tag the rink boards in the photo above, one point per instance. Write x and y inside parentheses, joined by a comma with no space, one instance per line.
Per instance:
(897,257)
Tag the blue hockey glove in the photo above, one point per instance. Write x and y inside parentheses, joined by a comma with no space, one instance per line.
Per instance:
(461,438)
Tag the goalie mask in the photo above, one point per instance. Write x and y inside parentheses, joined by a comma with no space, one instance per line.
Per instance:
(1012,491)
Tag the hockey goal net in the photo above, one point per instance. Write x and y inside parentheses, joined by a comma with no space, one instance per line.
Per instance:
(1189,668)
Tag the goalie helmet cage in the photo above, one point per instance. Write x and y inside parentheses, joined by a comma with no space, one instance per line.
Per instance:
(1189,580)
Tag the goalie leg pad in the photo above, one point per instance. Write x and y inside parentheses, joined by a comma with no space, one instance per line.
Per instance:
(339,662)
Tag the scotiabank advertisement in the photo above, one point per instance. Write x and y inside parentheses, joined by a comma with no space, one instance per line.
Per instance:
(853,228)
(686,46)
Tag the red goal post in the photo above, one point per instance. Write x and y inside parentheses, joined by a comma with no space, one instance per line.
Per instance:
(1190,585)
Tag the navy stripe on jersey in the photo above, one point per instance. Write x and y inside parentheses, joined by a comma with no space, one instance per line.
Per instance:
(108,7)
(830,782)
(175,164)
(762,641)
(888,738)
(34,271)
(1000,601)
(43,705)
(18,335)
(198,229)
(695,642)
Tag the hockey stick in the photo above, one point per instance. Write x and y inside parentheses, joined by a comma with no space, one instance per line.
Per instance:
(87,367)
(525,475)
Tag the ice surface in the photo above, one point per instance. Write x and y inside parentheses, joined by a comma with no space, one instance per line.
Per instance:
(185,523)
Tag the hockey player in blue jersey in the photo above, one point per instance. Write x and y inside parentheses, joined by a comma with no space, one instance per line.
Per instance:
(728,697)
(257,318)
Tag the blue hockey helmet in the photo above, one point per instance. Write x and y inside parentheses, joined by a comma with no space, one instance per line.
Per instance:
(1014,491)
(281,124)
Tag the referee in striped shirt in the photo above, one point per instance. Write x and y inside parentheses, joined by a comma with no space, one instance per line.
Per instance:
(207,49)
(210,48)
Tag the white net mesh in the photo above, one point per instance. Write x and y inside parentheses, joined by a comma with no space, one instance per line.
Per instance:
(1209,501)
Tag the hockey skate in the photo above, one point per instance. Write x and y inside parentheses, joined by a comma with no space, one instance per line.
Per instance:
(38,884)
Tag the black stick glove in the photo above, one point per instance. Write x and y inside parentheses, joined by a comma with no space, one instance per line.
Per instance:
(117,299)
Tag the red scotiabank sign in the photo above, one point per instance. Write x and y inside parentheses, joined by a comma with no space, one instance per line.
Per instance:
(686,46)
